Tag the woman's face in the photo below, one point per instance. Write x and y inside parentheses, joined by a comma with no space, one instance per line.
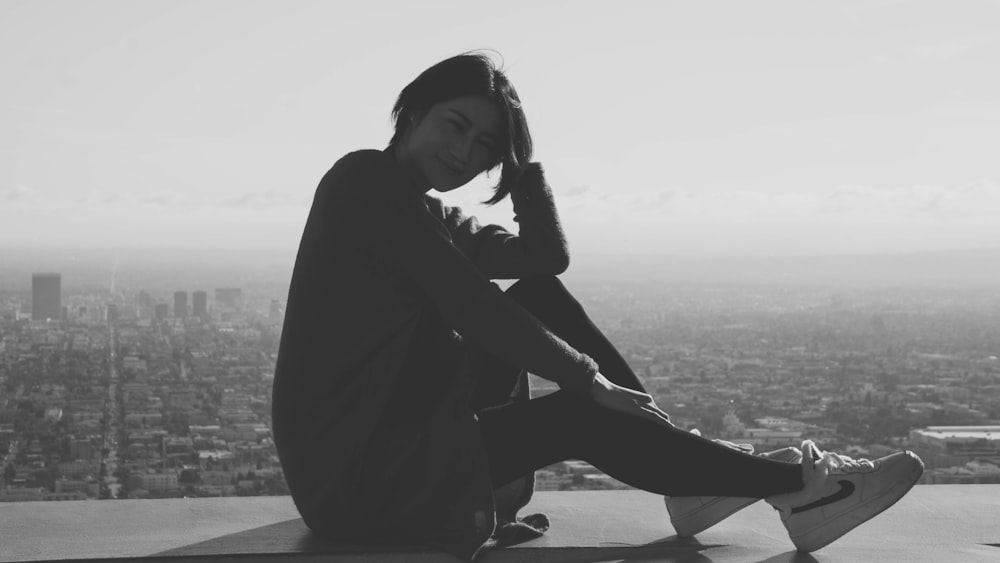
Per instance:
(452,143)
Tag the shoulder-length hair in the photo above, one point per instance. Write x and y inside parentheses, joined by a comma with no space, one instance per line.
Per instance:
(468,74)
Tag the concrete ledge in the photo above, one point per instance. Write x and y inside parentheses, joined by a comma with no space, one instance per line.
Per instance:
(932,523)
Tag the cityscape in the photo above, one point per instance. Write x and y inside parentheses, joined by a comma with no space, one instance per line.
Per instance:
(122,381)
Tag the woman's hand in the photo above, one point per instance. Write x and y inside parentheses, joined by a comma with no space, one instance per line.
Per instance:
(628,401)
(530,179)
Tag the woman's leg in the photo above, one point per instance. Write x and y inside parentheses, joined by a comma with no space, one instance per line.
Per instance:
(526,436)
(523,437)
(549,301)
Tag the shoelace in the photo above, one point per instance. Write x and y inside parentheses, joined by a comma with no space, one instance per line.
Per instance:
(841,463)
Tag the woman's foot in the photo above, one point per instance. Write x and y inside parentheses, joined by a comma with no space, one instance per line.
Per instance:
(693,515)
(841,493)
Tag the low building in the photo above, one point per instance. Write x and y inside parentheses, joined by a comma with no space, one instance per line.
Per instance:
(949,446)
(158,482)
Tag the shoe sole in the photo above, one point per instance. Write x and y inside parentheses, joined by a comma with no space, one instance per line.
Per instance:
(702,518)
(832,529)
(707,515)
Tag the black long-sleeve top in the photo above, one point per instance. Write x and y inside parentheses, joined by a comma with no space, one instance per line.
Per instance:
(389,285)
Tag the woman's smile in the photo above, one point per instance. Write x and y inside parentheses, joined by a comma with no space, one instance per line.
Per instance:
(452,143)
(452,165)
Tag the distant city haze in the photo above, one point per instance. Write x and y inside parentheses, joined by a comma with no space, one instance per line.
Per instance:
(155,378)
(666,129)
(268,272)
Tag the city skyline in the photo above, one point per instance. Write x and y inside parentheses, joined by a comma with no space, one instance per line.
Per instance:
(120,399)
(688,129)
(171,270)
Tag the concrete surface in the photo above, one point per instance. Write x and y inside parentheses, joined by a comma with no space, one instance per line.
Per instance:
(932,523)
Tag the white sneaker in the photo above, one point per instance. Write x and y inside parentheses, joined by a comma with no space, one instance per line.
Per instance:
(692,515)
(841,493)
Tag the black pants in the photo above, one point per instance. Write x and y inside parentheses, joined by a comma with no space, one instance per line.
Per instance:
(525,436)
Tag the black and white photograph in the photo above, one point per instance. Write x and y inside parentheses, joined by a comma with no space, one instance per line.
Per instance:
(535,280)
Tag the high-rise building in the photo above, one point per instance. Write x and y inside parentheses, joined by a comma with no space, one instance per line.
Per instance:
(46,297)
(230,297)
(161,311)
(180,304)
(199,302)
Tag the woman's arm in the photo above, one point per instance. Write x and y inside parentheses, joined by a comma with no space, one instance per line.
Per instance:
(540,246)
(389,220)
(628,401)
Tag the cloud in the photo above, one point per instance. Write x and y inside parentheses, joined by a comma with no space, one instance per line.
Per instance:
(664,197)
(94,197)
(655,199)
(265,199)
(176,200)
(939,51)
(168,199)
(846,204)
(846,219)
(19,193)
(944,50)
(915,202)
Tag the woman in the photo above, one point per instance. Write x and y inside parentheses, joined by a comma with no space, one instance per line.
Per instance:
(398,358)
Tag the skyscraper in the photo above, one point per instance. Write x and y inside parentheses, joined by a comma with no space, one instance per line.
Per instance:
(180,304)
(46,297)
(199,301)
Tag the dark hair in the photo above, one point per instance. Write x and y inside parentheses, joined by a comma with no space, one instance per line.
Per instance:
(468,74)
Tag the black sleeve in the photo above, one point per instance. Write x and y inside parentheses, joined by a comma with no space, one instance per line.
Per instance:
(394,225)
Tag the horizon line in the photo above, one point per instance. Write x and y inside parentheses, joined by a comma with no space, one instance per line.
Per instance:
(580,253)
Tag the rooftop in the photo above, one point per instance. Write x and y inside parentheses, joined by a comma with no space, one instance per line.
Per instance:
(988,433)
(932,523)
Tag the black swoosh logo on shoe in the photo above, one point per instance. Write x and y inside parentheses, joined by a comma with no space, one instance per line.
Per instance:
(846,490)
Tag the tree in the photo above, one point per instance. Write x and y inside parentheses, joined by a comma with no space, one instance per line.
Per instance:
(188,476)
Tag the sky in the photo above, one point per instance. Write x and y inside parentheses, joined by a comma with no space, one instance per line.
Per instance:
(677,128)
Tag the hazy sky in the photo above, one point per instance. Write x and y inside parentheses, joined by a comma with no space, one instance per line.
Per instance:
(686,128)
